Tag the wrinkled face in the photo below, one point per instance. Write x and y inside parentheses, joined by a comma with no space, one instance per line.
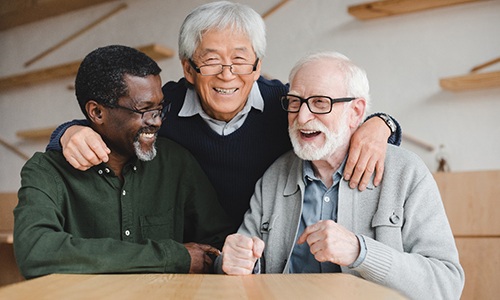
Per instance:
(129,133)
(318,136)
(224,95)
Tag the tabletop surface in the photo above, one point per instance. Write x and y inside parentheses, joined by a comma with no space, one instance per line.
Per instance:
(188,286)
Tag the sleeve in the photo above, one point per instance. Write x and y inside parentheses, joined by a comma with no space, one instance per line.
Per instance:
(206,221)
(43,244)
(397,136)
(55,137)
(428,265)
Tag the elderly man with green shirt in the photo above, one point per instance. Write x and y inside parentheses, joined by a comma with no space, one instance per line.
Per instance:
(150,208)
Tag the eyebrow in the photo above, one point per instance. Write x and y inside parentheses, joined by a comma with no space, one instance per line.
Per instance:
(211,50)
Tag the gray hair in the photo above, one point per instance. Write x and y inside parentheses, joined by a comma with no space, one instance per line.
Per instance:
(355,79)
(221,15)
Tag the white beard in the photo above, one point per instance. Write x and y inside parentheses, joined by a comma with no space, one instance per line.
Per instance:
(332,143)
(144,155)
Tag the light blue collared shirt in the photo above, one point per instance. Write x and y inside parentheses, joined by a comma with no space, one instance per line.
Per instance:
(192,106)
(320,203)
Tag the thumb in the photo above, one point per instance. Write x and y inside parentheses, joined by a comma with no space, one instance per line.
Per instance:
(258,247)
(209,249)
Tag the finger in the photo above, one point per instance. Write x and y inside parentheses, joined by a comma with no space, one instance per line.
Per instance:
(76,159)
(258,247)
(367,175)
(236,270)
(359,170)
(74,162)
(379,172)
(307,232)
(100,149)
(352,159)
(209,249)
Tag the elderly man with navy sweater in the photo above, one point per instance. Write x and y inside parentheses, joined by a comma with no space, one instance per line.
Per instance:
(226,114)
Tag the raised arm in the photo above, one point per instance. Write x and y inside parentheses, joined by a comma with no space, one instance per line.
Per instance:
(367,150)
(81,146)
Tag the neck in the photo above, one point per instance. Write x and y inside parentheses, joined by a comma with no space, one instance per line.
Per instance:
(116,163)
(324,169)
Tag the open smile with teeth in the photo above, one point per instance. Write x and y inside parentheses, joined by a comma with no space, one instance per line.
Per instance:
(225,91)
(146,135)
(309,133)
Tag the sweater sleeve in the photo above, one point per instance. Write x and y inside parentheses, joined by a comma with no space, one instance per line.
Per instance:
(55,137)
(427,266)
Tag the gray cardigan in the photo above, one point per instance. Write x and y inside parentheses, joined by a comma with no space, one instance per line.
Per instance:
(410,246)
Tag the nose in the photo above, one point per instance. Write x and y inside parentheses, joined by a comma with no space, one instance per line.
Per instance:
(226,72)
(154,121)
(304,115)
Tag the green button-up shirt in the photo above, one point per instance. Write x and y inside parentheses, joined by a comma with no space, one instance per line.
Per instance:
(71,221)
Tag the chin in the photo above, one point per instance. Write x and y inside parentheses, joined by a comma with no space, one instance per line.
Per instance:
(144,154)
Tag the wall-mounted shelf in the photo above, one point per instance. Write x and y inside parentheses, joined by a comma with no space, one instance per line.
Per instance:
(19,12)
(380,9)
(471,81)
(156,52)
(36,133)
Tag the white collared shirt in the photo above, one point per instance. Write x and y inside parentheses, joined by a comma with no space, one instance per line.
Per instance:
(192,106)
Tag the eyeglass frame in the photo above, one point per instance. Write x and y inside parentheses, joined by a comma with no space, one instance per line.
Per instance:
(306,101)
(162,111)
(198,69)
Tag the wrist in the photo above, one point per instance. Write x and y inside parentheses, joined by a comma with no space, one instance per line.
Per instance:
(389,122)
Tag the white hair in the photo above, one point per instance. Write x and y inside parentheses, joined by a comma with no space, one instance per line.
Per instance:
(355,79)
(218,16)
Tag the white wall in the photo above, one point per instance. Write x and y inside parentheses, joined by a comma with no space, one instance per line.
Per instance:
(405,56)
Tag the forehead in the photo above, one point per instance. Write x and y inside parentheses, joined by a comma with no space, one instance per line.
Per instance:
(144,90)
(220,41)
(318,78)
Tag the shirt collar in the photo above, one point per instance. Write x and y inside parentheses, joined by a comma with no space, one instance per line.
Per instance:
(308,173)
(192,105)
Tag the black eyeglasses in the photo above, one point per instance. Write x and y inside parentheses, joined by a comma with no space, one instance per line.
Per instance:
(316,104)
(215,69)
(150,114)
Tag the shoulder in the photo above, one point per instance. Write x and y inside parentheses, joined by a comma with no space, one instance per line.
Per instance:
(273,86)
(286,164)
(403,163)
(165,145)
(171,86)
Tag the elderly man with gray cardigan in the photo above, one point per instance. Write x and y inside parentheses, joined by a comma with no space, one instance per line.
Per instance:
(304,218)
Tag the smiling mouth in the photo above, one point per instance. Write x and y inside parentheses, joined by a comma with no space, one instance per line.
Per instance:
(309,133)
(148,135)
(225,91)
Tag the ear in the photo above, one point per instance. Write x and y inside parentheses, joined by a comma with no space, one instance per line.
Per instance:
(95,112)
(358,107)
(189,73)
(256,74)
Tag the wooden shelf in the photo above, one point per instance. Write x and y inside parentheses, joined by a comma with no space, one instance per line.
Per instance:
(156,52)
(6,237)
(471,81)
(380,9)
(42,133)
(19,12)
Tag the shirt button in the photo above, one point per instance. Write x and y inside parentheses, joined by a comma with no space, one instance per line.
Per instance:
(124,192)
(100,172)
(135,168)
(127,232)
(327,199)
(107,170)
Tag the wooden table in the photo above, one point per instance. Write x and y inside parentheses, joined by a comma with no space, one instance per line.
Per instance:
(183,286)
